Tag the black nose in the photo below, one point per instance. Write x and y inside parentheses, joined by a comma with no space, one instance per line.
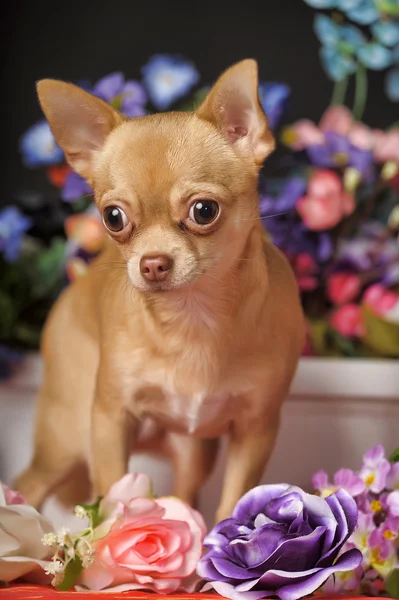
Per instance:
(156,268)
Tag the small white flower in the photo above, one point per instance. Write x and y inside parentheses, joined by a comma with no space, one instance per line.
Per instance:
(71,552)
(87,561)
(80,512)
(49,539)
(54,567)
(62,535)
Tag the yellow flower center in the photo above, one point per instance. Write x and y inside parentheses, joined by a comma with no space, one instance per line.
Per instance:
(289,137)
(375,557)
(369,479)
(340,158)
(376,505)
(389,535)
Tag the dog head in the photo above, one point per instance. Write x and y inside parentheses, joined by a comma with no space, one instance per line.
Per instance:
(177,191)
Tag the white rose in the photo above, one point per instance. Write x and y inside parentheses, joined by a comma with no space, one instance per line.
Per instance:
(22,553)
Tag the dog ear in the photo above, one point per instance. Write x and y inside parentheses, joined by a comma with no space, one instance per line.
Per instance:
(80,122)
(233,107)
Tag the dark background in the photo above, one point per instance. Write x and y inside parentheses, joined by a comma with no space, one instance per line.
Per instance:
(80,39)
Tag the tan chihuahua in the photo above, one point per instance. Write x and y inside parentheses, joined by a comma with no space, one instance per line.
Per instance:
(189,325)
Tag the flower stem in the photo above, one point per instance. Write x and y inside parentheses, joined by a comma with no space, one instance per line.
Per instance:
(339,92)
(360,92)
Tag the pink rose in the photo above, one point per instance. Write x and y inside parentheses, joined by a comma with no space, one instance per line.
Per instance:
(153,545)
(337,119)
(305,269)
(326,202)
(380,299)
(386,148)
(144,543)
(347,320)
(11,496)
(343,288)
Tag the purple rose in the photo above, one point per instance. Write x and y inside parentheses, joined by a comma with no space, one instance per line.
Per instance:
(280,542)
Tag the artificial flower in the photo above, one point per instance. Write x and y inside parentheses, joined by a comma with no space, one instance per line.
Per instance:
(85,231)
(13,226)
(274,97)
(38,146)
(129,97)
(306,271)
(75,188)
(347,581)
(375,469)
(343,479)
(168,78)
(340,44)
(291,190)
(280,542)
(380,299)
(393,503)
(22,554)
(338,141)
(326,202)
(152,545)
(386,147)
(343,287)
(347,321)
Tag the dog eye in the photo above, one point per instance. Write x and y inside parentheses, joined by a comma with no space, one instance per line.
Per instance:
(204,212)
(114,219)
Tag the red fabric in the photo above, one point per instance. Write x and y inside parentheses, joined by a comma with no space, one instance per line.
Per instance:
(36,592)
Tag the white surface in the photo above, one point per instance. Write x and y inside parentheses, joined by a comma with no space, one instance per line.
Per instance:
(336,411)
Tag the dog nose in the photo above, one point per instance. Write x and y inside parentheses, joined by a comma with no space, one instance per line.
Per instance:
(156,268)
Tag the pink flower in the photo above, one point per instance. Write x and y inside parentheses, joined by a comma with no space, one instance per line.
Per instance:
(393,503)
(338,120)
(343,287)
(343,479)
(326,202)
(11,496)
(153,545)
(305,269)
(386,148)
(380,299)
(132,485)
(393,477)
(375,469)
(347,320)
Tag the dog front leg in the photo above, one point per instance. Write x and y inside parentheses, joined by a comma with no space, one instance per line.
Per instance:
(248,453)
(112,428)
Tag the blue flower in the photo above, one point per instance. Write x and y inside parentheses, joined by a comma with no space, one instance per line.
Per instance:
(13,225)
(392,78)
(322,3)
(75,188)
(340,44)
(127,96)
(363,12)
(274,97)
(38,146)
(168,78)
(386,32)
(374,56)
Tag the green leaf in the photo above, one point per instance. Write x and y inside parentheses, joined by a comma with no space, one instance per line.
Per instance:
(394,456)
(93,512)
(381,335)
(392,583)
(195,100)
(71,573)
(28,335)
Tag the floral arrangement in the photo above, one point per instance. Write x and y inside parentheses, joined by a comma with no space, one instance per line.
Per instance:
(329,198)
(280,541)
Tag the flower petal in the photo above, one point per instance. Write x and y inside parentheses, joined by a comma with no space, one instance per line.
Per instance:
(392,84)
(254,501)
(374,56)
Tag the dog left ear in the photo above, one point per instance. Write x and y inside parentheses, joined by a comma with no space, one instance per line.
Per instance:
(233,107)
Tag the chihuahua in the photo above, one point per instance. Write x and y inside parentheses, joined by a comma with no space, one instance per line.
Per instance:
(188,326)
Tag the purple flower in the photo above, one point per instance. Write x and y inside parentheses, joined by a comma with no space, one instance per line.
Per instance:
(337,151)
(75,187)
(293,238)
(393,503)
(168,78)
(13,225)
(292,190)
(343,479)
(280,542)
(375,469)
(274,97)
(127,96)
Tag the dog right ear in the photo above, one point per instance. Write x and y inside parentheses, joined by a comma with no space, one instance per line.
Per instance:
(80,122)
